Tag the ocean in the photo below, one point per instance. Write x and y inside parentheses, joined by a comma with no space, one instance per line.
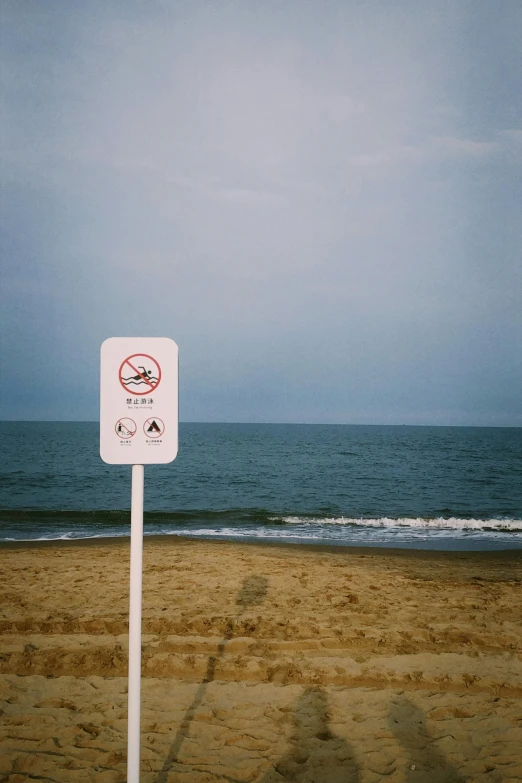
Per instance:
(395,486)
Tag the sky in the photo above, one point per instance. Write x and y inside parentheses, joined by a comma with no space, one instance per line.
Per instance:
(319,201)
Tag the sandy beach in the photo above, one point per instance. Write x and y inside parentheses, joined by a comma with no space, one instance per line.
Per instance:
(262,663)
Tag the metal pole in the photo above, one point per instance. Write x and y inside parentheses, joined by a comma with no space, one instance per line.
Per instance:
(136,569)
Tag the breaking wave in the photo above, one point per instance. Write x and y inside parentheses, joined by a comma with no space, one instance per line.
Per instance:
(438,523)
(259,524)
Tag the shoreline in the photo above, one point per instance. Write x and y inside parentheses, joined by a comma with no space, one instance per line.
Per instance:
(505,555)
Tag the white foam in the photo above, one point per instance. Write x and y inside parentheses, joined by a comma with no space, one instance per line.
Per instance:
(438,523)
(69,537)
(237,532)
(64,537)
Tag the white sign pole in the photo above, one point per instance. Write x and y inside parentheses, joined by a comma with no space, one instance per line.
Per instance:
(136,570)
(138,426)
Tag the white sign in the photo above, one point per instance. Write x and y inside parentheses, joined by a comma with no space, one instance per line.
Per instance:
(139,400)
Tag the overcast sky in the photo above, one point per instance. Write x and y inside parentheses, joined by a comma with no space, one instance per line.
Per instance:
(320,201)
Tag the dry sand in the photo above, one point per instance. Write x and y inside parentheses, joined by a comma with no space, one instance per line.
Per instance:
(262,664)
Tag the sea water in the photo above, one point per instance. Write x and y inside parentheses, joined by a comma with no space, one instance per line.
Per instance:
(395,486)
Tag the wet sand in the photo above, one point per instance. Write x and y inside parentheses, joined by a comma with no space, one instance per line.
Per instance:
(262,663)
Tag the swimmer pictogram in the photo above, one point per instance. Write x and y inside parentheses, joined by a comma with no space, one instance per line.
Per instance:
(140,374)
(154,427)
(125,428)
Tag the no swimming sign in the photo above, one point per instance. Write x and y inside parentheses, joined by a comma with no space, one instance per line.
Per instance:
(139,400)
(138,426)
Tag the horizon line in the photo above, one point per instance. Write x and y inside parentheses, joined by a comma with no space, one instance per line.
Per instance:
(277,423)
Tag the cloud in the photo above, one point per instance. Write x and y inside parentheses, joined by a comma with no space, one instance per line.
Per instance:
(462,148)
(513,135)
(393,155)
(281,186)
(440,148)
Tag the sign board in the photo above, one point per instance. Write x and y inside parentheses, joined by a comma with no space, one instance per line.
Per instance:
(139,400)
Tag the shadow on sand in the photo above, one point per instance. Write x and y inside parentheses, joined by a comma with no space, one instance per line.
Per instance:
(253,592)
(426,763)
(315,755)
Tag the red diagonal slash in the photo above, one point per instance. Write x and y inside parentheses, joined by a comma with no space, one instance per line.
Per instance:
(140,374)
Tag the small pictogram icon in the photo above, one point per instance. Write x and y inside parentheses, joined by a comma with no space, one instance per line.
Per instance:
(153,428)
(140,374)
(125,428)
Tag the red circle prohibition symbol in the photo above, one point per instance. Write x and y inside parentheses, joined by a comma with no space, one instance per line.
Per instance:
(155,429)
(123,430)
(139,375)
